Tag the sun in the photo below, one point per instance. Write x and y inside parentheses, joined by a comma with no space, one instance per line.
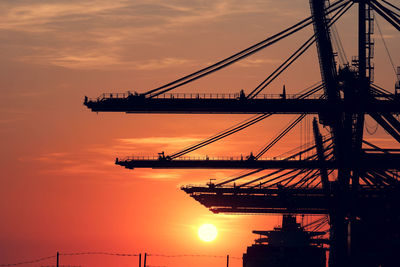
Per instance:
(207,232)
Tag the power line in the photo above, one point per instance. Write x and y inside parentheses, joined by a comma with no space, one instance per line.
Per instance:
(118,255)
(100,253)
(28,262)
(192,255)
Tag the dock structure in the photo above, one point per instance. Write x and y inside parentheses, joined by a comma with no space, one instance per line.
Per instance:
(342,175)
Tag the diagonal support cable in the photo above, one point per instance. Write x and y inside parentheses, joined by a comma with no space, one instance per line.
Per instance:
(378,118)
(240,55)
(392,5)
(280,135)
(234,129)
(300,51)
(385,13)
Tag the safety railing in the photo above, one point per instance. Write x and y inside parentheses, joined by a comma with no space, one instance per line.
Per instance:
(237,96)
(114,95)
(229,96)
(363,188)
(199,158)
(233,185)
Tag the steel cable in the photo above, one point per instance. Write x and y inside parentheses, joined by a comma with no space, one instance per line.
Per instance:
(240,55)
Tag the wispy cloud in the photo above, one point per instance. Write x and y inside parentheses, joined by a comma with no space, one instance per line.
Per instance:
(100,59)
(5,121)
(75,60)
(99,159)
(28,15)
(159,140)
(99,34)
(257,62)
(160,176)
(53,157)
(161,63)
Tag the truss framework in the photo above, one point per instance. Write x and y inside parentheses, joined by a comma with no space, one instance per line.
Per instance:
(338,177)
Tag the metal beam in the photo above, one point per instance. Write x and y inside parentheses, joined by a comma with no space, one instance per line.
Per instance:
(370,161)
(194,105)
(284,200)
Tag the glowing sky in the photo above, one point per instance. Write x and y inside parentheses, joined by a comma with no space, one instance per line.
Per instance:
(59,187)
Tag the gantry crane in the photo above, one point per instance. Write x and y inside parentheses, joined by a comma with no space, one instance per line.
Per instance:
(354,182)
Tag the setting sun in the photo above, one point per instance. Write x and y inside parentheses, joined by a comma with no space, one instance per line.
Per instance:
(207,232)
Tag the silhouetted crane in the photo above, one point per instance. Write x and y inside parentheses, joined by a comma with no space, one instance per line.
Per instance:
(353,181)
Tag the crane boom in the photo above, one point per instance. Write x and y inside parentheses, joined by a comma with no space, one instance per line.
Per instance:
(227,104)
(368,161)
(283,200)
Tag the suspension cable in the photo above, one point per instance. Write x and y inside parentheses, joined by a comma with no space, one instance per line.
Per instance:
(386,48)
(238,127)
(392,14)
(220,136)
(314,222)
(381,90)
(242,54)
(279,182)
(288,180)
(301,152)
(300,51)
(374,146)
(309,180)
(312,157)
(273,179)
(232,59)
(390,4)
(320,181)
(240,177)
(389,179)
(272,173)
(314,174)
(280,136)
(281,68)
(386,13)
(339,44)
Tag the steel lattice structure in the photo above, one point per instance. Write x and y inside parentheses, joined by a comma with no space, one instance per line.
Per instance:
(354,182)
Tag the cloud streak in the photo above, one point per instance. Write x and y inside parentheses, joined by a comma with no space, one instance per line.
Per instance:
(159,140)
(100,34)
(249,63)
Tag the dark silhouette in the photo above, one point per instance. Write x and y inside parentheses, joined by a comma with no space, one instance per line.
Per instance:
(289,245)
(353,181)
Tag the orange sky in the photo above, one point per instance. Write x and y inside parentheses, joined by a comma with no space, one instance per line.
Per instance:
(59,187)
